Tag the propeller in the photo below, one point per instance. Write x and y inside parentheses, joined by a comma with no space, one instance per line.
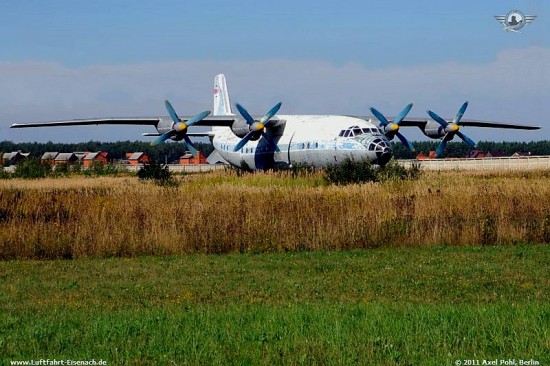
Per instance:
(179,128)
(451,129)
(391,129)
(257,128)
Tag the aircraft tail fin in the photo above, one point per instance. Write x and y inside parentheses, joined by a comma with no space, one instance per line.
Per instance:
(222,106)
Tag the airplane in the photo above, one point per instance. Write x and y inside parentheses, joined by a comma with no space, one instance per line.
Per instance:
(276,140)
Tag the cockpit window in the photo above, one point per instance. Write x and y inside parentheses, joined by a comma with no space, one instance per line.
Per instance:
(357,131)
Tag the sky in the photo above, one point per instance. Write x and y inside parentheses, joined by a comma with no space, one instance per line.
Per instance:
(65,59)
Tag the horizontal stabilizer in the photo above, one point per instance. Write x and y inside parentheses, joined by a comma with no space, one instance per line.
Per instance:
(216,158)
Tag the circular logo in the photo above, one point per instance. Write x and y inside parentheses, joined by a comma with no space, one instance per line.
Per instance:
(515,20)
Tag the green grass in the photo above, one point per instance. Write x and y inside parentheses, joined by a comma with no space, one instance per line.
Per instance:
(381,306)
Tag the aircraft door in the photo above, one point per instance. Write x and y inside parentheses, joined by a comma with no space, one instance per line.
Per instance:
(289,159)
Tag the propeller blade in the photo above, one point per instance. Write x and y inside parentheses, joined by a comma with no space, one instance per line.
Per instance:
(403,114)
(165,136)
(441,147)
(460,112)
(199,117)
(244,141)
(271,142)
(405,141)
(245,114)
(190,146)
(172,112)
(438,119)
(466,139)
(452,129)
(273,111)
(379,116)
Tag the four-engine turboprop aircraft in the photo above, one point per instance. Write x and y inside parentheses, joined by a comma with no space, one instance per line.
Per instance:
(282,140)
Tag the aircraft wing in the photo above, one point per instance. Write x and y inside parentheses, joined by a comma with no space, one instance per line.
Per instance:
(212,121)
(143,121)
(416,122)
(149,121)
(200,134)
(477,123)
(420,122)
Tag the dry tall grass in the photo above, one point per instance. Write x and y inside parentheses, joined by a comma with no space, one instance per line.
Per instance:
(219,212)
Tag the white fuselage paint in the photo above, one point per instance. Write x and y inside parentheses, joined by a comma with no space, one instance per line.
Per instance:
(313,140)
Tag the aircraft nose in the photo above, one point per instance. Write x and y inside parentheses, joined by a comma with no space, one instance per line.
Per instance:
(384,156)
(379,145)
(382,149)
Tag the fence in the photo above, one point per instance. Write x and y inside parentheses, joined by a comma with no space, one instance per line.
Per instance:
(504,163)
(183,168)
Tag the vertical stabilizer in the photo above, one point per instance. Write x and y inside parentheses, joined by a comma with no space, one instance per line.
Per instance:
(222,107)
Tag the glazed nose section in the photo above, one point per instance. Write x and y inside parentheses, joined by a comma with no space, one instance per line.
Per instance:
(382,149)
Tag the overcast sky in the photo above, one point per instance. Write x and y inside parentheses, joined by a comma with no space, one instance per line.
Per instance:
(64,59)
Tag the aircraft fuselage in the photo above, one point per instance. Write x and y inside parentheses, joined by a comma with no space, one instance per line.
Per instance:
(313,140)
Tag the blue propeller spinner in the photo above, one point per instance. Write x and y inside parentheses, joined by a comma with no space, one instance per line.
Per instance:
(258,128)
(451,129)
(179,128)
(391,129)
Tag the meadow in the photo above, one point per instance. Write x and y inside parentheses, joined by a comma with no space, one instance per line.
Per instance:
(270,268)
(385,306)
(267,212)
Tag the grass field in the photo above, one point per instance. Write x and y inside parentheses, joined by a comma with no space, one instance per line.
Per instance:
(380,306)
(222,213)
(273,269)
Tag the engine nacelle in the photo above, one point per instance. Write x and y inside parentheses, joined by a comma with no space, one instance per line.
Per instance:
(240,128)
(433,130)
